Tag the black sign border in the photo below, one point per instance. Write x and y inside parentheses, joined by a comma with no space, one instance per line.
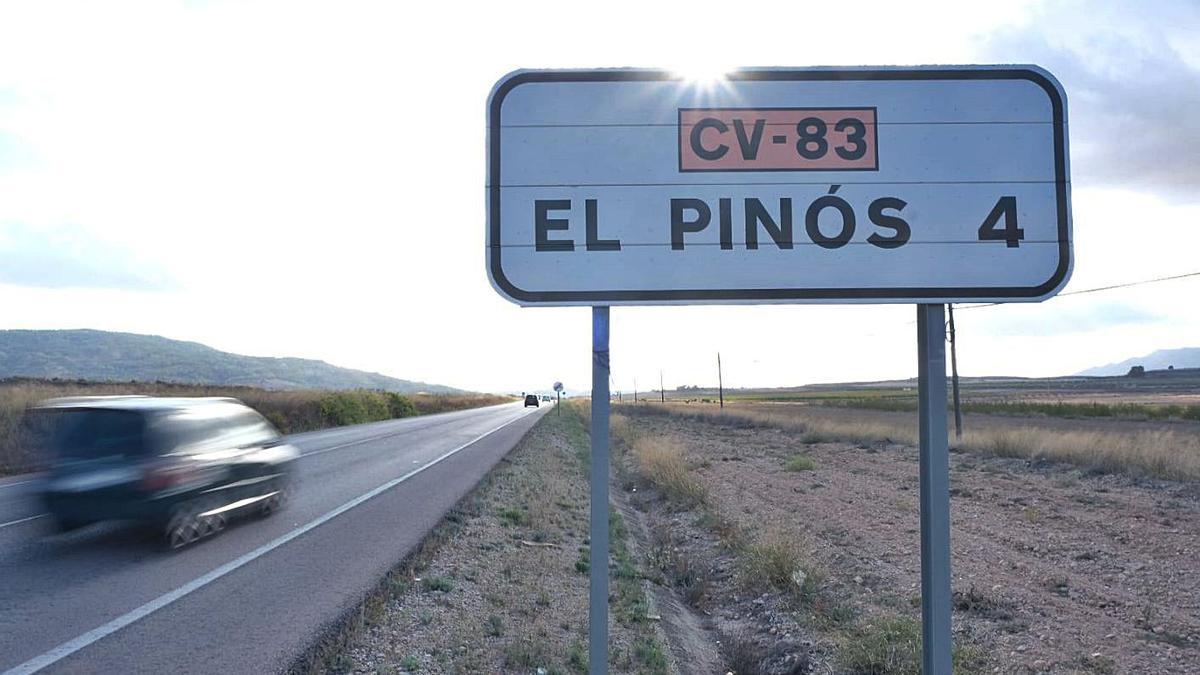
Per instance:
(780,295)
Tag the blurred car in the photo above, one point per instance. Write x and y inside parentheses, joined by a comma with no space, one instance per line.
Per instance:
(547,399)
(531,400)
(182,465)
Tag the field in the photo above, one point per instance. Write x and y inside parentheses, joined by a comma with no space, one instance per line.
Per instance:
(781,535)
(290,411)
(788,534)
(1162,394)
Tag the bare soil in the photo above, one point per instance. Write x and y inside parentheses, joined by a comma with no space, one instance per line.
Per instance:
(502,586)
(1055,570)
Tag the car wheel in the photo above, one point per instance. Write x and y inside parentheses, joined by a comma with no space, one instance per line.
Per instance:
(214,523)
(185,526)
(276,501)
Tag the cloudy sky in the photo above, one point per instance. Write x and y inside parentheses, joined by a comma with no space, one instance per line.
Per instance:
(306,179)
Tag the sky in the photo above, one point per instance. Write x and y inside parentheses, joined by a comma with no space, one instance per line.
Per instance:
(306,179)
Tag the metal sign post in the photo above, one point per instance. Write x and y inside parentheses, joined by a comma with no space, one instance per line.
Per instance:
(598,588)
(935,490)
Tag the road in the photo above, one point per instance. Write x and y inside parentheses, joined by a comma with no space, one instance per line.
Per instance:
(108,599)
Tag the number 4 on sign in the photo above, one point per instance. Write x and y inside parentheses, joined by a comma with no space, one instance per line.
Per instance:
(1010,234)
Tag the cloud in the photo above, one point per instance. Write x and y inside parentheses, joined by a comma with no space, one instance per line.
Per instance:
(68,257)
(1132,75)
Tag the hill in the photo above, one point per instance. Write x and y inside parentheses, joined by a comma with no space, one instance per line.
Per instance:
(102,355)
(1160,360)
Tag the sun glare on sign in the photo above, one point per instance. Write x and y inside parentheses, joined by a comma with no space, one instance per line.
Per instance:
(702,75)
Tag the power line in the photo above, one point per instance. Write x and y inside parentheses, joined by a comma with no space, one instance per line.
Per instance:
(1082,291)
(1095,290)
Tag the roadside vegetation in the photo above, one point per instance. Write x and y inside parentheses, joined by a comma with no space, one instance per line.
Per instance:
(818,569)
(1153,404)
(1063,409)
(775,589)
(501,585)
(291,411)
(1163,452)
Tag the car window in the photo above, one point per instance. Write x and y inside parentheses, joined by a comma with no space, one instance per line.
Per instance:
(250,428)
(224,427)
(88,433)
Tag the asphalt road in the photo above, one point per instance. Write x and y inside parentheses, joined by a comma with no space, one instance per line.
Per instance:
(107,599)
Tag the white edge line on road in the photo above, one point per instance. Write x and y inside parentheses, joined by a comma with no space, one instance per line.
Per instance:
(23,520)
(70,647)
(382,436)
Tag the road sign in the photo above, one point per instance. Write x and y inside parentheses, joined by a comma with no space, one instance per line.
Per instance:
(862,185)
(558,386)
(915,185)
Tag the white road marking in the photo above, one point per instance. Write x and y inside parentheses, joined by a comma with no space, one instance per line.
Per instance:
(16,483)
(68,648)
(362,440)
(24,520)
(358,442)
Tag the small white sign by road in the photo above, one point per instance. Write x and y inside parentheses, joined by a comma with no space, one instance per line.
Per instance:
(860,185)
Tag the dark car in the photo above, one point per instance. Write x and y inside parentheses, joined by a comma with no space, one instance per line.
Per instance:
(531,400)
(181,465)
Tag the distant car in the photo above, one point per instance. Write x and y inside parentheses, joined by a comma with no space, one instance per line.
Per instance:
(182,465)
(547,399)
(531,400)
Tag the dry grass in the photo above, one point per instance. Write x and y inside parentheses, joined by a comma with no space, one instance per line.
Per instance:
(1164,453)
(622,430)
(777,561)
(662,462)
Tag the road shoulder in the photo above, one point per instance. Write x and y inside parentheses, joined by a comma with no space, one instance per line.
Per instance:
(501,584)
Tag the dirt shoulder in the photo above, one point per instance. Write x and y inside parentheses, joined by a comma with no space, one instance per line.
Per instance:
(1055,569)
(501,586)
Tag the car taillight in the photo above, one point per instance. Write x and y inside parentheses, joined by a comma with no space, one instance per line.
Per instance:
(164,475)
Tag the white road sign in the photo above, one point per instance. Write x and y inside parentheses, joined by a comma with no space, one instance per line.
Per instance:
(863,185)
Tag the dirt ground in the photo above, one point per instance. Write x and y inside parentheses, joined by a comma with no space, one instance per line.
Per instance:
(1055,569)
(502,586)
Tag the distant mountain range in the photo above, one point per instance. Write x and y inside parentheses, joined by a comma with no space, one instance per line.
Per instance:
(1188,357)
(102,355)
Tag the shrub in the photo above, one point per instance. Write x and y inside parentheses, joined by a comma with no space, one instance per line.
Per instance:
(888,646)
(439,584)
(342,408)
(661,461)
(400,406)
(892,646)
(777,562)
(800,463)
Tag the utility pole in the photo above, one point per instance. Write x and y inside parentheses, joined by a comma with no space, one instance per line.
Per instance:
(635,390)
(720,381)
(662,392)
(954,379)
